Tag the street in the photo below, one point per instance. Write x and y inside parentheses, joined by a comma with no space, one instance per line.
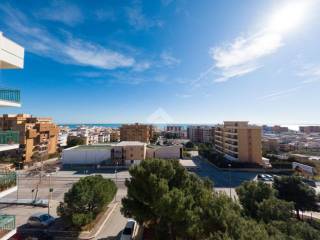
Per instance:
(61,181)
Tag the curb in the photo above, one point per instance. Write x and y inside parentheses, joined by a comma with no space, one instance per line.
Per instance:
(101,226)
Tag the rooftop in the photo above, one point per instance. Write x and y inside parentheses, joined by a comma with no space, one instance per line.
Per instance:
(130,143)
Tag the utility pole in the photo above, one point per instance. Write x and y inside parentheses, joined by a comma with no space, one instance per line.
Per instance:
(50,194)
(116,180)
(229,166)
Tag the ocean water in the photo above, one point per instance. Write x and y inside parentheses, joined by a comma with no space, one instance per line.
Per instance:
(294,127)
(117,125)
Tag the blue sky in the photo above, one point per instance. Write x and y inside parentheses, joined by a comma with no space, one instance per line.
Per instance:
(172,60)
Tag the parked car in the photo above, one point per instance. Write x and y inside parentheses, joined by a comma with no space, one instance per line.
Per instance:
(40,220)
(129,230)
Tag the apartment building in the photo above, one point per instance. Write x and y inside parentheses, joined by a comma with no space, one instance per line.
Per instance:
(115,135)
(201,134)
(38,137)
(11,57)
(279,129)
(136,132)
(239,141)
(309,129)
(177,130)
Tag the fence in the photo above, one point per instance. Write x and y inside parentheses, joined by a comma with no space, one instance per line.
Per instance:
(10,95)
(7,180)
(9,137)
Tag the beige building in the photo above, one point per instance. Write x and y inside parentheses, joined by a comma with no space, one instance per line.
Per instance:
(38,137)
(128,152)
(201,134)
(115,135)
(136,132)
(239,141)
(164,152)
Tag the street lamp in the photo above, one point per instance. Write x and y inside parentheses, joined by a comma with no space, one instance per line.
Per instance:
(116,175)
(229,166)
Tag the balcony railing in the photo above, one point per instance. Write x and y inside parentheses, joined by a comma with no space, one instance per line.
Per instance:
(7,223)
(7,180)
(10,95)
(9,137)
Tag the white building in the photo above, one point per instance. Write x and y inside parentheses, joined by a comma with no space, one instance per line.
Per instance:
(86,155)
(63,140)
(11,57)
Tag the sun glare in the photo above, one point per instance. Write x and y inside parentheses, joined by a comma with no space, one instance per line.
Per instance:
(289,16)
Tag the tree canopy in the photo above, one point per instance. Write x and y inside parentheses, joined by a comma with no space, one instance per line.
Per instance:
(251,194)
(178,205)
(86,199)
(293,189)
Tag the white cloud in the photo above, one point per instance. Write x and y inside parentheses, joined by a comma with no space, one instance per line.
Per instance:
(310,73)
(61,11)
(280,94)
(168,59)
(38,40)
(241,55)
(138,20)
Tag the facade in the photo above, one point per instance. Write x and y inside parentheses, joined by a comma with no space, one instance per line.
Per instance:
(271,145)
(122,153)
(165,152)
(136,132)
(310,129)
(177,130)
(38,136)
(86,155)
(239,141)
(279,129)
(63,139)
(128,152)
(11,57)
(115,136)
(201,134)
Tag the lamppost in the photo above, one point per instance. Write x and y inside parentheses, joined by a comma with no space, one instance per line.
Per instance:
(229,166)
(116,175)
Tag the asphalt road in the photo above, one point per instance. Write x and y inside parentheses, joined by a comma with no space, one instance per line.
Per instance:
(61,181)
(221,179)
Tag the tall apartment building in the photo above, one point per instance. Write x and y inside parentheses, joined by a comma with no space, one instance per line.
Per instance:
(136,132)
(11,57)
(201,134)
(309,129)
(239,141)
(178,130)
(38,136)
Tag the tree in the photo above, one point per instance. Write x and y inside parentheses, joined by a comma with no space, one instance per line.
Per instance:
(75,142)
(251,194)
(292,189)
(177,205)
(164,196)
(189,145)
(86,199)
(274,209)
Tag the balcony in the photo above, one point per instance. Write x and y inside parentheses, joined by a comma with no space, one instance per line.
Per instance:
(10,98)
(11,54)
(9,140)
(7,226)
(8,183)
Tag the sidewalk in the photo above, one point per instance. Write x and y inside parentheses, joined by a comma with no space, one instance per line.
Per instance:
(99,224)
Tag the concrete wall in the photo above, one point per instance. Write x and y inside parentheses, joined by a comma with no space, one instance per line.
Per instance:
(165,152)
(85,155)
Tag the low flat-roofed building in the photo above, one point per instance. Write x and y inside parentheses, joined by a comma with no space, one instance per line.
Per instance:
(164,152)
(86,155)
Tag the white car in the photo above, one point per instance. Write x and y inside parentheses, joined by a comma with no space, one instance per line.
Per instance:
(129,231)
